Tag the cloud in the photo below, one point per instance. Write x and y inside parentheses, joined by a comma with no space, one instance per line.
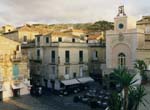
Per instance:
(18,12)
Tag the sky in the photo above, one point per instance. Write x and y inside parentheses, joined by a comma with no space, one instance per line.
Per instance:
(18,12)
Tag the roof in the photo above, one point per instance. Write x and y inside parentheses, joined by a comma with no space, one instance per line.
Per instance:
(5,38)
(96,36)
(144,20)
(63,34)
(79,30)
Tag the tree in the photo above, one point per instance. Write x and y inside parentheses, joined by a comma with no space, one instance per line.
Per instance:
(141,66)
(136,97)
(125,79)
(115,101)
(101,26)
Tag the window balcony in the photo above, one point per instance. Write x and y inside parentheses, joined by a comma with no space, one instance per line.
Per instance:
(81,61)
(36,60)
(95,60)
(67,63)
(53,61)
(16,58)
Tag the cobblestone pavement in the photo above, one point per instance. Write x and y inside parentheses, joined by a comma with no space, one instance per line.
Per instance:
(51,102)
(45,102)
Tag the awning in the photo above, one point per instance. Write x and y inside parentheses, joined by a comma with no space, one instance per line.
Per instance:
(85,79)
(70,82)
(19,86)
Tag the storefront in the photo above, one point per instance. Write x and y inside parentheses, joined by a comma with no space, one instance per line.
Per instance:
(16,89)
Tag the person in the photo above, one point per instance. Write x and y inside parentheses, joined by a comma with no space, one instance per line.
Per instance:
(39,91)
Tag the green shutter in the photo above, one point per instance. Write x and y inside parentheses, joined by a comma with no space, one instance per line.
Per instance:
(15,71)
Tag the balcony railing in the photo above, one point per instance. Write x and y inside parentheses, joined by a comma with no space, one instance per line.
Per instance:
(95,60)
(36,60)
(67,61)
(81,61)
(16,58)
(53,61)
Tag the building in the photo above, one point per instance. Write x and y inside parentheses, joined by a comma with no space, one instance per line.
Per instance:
(7,28)
(96,50)
(58,56)
(143,49)
(125,45)
(25,34)
(121,43)
(14,72)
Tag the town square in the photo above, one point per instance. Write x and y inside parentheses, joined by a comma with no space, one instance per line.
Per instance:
(68,55)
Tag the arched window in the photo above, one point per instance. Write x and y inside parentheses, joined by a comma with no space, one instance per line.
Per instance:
(121,60)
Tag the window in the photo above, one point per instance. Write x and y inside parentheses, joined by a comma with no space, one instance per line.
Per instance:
(17,48)
(53,70)
(67,69)
(74,75)
(81,71)
(121,60)
(47,39)
(38,39)
(147,29)
(24,38)
(59,39)
(73,40)
(87,41)
(67,56)
(95,55)
(53,56)
(80,56)
(38,53)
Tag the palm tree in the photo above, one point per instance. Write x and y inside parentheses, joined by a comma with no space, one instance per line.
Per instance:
(136,97)
(125,79)
(141,66)
(115,101)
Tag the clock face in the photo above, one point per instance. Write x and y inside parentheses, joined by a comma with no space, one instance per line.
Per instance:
(120,26)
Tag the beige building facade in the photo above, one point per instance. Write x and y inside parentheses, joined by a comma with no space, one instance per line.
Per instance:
(14,72)
(124,45)
(97,53)
(24,34)
(121,43)
(58,56)
(143,49)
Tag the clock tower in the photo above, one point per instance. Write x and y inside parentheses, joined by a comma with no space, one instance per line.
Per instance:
(120,21)
(121,43)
